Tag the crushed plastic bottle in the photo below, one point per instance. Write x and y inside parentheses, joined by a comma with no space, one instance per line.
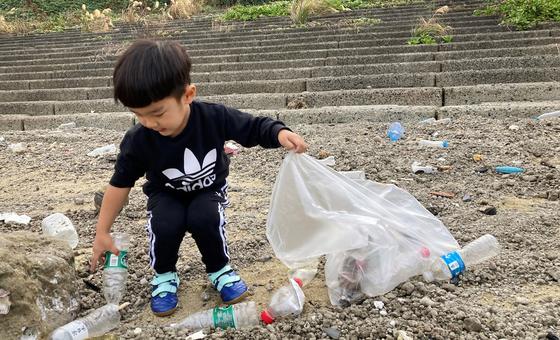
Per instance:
(452,264)
(434,121)
(103,150)
(509,170)
(434,143)
(395,131)
(115,271)
(96,323)
(287,300)
(234,316)
(549,115)
(420,169)
(59,226)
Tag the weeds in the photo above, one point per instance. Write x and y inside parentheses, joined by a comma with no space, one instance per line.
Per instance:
(97,21)
(301,10)
(523,14)
(184,9)
(431,31)
(247,13)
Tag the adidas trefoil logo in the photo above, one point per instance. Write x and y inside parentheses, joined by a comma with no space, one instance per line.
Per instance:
(196,176)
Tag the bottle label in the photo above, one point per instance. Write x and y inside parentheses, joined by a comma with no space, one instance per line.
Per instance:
(114,261)
(454,262)
(224,317)
(77,329)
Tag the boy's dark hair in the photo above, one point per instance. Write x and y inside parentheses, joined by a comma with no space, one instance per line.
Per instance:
(149,71)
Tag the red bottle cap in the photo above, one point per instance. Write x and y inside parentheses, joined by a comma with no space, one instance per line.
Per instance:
(266,318)
(298,281)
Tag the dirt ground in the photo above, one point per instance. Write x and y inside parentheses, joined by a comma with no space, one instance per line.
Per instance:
(514,296)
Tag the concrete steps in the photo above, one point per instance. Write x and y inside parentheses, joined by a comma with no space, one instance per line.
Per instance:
(327,73)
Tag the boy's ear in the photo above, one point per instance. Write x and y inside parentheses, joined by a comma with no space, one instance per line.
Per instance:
(190,93)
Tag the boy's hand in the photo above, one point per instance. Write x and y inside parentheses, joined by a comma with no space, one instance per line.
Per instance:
(102,243)
(292,141)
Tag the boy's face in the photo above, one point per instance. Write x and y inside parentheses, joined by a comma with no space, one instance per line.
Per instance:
(168,116)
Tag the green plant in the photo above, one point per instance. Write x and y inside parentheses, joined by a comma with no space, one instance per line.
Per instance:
(524,14)
(247,13)
(431,31)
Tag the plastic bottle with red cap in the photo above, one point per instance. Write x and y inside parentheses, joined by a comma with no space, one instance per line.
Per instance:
(287,300)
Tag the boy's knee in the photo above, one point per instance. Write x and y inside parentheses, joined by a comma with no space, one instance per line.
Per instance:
(202,221)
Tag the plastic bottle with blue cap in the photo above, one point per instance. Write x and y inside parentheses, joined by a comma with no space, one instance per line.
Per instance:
(395,131)
(509,170)
(450,265)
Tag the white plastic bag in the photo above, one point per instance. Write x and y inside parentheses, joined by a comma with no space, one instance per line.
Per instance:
(380,229)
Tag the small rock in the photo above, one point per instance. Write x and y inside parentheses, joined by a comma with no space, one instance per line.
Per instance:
(513,127)
(547,163)
(522,300)
(555,275)
(378,304)
(552,336)
(426,301)
(467,198)
(449,287)
(408,288)
(323,154)
(143,281)
(383,312)
(265,258)
(529,178)
(137,331)
(205,296)
(472,324)
(333,333)
(79,201)
(401,335)
(489,210)
(553,196)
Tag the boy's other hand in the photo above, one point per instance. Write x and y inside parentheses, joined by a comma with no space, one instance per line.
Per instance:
(292,141)
(102,243)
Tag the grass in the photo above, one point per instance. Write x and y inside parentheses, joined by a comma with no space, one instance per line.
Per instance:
(301,10)
(431,31)
(252,12)
(523,14)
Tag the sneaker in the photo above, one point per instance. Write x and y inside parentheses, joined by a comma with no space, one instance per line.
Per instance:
(226,281)
(164,293)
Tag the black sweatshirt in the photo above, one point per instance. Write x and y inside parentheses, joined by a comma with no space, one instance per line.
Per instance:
(195,159)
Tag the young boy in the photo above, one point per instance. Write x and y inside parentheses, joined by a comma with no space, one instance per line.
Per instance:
(179,146)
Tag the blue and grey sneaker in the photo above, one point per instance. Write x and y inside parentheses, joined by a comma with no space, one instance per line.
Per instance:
(164,293)
(226,281)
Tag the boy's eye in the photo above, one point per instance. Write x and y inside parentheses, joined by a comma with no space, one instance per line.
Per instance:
(160,114)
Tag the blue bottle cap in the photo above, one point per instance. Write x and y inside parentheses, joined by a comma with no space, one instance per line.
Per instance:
(445,143)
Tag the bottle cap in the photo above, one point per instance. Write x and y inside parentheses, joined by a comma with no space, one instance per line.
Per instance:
(445,143)
(298,281)
(266,318)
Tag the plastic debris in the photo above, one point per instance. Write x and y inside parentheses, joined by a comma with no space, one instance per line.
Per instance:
(467,198)
(231,149)
(14,218)
(66,126)
(435,121)
(434,143)
(419,169)
(17,147)
(549,115)
(395,131)
(196,336)
(509,170)
(4,302)
(477,157)
(513,127)
(287,300)
(104,150)
(59,226)
(443,194)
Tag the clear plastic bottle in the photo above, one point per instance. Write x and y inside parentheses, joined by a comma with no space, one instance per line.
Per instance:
(59,226)
(235,316)
(434,143)
(287,300)
(96,323)
(395,131)
(452,264)
(115,271)
(549,115)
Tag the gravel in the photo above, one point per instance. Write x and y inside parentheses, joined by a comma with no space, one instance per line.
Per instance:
(515,295)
